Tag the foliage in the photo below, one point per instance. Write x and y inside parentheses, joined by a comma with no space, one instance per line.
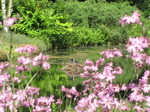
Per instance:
(3,56)
(19,40)
(50,81)
(83,37)
(43,23)
(101,16)
(88,14)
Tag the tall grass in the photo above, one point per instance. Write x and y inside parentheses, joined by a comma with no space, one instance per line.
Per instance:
(18,40)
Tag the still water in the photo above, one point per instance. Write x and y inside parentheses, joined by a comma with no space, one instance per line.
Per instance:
(80,54)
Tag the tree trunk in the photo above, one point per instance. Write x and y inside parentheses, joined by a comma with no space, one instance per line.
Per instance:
(10,8)
(6,13)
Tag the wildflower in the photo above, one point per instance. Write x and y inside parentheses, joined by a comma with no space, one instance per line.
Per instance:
(10,21)
(21,68)
(117,70)
(124,87)
(63,88)
(3,66)
(0,23)
(111,53)
(41,61)
(137,44)
(59,101)
(100,62)
(32,91)
(89,63)
(4,78)
(147,99)
(135,18)
(23,60)
(45,65)
(138,108)
(16,79)
(147,110)
(26,49)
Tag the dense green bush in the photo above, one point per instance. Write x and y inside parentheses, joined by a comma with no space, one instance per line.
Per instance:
(80,36)
(44,24)
(74,23)
(90,14)
(102,16)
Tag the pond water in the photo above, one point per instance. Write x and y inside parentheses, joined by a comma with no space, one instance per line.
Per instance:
(80,54)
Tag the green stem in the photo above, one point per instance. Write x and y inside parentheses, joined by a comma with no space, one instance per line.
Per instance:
(30,81)
(10,46)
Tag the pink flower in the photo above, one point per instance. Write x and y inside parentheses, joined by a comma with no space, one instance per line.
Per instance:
(137,44)
(89,62)
(111,53)
(100,62)
(138,108)
(10,21)
(59,101)
(32,91)
(0,23)
(26,49)
(21,68)
(45,100)
(23,60)
(45,65)
(135,18)
(90,68)
(3,66)
(147,99)
(63,88)
(118,70)
(147,110)
(41,61)
(16,79)
(124,87)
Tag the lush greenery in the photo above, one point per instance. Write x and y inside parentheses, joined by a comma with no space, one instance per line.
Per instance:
(113,80)
(71,23)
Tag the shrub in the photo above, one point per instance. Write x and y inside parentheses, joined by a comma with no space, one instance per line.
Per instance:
(89,14)
(101,16)
(80,36)
(45,24)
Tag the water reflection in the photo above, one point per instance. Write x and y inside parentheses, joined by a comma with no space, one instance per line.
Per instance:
(80,54)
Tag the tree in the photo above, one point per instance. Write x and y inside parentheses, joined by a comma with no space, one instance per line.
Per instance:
(6,12)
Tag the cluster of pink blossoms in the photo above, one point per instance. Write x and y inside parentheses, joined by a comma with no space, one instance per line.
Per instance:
(137,44)
(10,21)
(27,49)
(12,100)
(70,92)
(41,60)
(0,23)
(136,47)
(101,86)
(3,66)
(135,18)
(140,92)
(24,62)
(111,53)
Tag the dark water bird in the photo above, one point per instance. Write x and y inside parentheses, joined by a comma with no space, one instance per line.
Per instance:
(73,61)
(73,69)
